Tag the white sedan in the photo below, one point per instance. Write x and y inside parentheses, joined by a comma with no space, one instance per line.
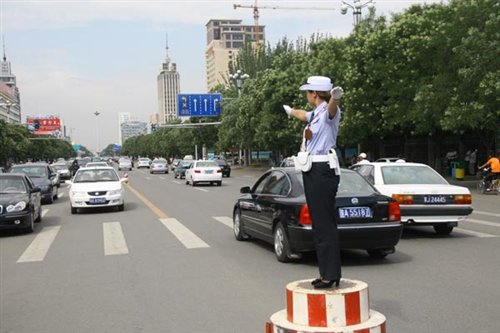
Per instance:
(424,196)
(96,187)
(143,163)
(204,171)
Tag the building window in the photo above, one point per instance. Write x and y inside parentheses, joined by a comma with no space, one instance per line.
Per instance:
(228,45)
(237,44)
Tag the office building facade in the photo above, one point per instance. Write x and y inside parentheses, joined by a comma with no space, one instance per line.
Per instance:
(122,118)
(168,88)
(10,102)
(224,39)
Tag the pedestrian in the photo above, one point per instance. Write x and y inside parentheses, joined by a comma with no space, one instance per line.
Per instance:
(362,159)
(322,179)
(467,159)
(74,167)
(472,162)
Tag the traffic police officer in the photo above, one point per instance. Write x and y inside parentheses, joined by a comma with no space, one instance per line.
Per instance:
(322,180)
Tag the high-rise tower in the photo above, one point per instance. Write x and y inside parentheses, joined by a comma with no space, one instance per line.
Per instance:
(168,89)
(10,102)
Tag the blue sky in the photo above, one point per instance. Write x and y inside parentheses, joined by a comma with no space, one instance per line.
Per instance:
(75,57)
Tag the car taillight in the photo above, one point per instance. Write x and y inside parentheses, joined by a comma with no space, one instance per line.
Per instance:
(197,171)
(463,199)
(219,170)
(394,212)
(305,217)
(403,199)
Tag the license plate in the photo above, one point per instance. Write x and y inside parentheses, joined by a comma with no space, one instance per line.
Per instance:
(434,199)
(209,171)
(355,212)
(97,201)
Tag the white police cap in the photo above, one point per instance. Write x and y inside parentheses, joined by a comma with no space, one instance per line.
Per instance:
(317,83)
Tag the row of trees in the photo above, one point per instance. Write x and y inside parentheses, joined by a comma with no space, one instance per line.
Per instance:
(18,144)
(431,70)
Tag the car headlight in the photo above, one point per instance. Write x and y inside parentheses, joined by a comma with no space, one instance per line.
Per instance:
(115,192)
(77,193)
(21,205)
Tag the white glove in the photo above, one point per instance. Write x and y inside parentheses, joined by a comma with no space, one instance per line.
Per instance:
(288,110)
(337,93)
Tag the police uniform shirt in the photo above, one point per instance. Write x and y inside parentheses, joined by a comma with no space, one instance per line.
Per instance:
(324,130)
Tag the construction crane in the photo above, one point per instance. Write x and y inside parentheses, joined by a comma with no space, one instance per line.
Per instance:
(256,8)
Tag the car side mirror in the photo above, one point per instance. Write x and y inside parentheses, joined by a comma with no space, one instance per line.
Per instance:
(35,190)
(245,189)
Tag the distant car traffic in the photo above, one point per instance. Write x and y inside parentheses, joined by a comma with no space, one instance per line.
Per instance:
(63,170)
(274,210)
(96,187)
(204,171)
(159,165)
(391,159)
(96,164)
(226,168)
(144,163)
(180,169)
(124,164)
(425,197)
(20,202)
(43,176)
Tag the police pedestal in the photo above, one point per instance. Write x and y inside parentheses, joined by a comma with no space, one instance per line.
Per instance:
(343,309)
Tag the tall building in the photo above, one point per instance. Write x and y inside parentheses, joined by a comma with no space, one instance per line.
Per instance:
(10,102)
(122,118)
(168,89)
(224,39)
(133,128)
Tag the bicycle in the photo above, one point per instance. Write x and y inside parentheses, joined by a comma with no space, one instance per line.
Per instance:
(486,186)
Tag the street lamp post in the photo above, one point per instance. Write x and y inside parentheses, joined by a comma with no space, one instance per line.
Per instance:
(356,8)
(239,77)
(97,113)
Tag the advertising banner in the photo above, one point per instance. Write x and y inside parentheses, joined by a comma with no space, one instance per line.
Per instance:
(45,125)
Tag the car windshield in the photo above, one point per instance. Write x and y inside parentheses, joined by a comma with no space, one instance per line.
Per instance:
(96,164)
(160,161)
(410,174)
(206,164)
(221,162)
(96,175)
(124,160)
(12,185)
(144,160)
(351,183)
(31,171)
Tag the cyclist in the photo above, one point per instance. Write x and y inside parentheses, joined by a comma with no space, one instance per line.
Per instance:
(494,163)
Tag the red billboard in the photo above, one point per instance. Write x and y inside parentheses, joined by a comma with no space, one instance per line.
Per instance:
(44,125)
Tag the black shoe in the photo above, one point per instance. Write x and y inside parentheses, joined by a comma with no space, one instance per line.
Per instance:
(322,284)
(315,281)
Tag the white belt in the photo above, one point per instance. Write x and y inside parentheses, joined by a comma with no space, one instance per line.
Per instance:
(319,158)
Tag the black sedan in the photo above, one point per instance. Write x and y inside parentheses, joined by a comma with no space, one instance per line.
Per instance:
(275,210)
(20,202)
(43,176)
(226,168)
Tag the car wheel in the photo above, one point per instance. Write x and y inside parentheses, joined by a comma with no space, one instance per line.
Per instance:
(443,229)
(187,182)
(121,207)
(175,176)
(73,210)
(377,253)
(57,194)
(193,183)
(228,175)
(281,244)
(31,226)
(238,228)
(51,198)
(219,183)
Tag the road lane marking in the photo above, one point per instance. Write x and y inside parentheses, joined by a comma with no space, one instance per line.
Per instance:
(114,240)
(162,178)
(201,189)
(44,212)
(175,181)
(159,213)
(493,224)
(60,195)
(183,234)
(224,220)
(485,213)
(475,233)
(39,247)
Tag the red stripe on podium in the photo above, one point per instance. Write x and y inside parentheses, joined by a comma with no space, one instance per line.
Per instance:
(289,305)
(352,309)
(316,307)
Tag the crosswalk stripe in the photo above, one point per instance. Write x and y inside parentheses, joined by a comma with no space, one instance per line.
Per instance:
(177,182)
(201,189)
(39,247)
(485,213)
(475,233)
(224,220)
(44,212)
(114,240)
(493,224)
(183,234)
(162,178)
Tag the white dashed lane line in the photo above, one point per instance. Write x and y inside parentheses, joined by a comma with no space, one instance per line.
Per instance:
(183,234)
(474,233)
(227,221)
(39,247)
(485,213)
(491,224)
(114,240)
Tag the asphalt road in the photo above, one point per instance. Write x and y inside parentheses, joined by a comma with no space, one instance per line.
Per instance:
(170,263)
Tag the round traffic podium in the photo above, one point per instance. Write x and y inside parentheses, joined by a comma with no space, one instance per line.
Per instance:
(342,309)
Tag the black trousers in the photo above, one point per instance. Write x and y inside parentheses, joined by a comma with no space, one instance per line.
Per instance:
(320,186)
